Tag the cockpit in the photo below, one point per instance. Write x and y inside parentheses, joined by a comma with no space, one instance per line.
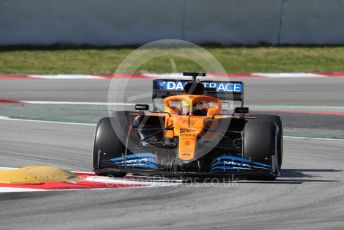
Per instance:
(195,105)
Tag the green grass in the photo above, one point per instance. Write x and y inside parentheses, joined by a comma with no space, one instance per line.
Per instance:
(59,60)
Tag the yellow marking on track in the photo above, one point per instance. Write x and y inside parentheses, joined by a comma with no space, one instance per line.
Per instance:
(36,175)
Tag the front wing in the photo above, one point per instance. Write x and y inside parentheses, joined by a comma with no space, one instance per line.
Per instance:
(146,163)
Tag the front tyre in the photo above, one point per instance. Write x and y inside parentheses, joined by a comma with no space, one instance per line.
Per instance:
(263,143)
(277,120)
(107,145)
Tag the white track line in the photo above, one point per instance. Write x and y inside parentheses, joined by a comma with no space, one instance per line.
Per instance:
(314,138)
(74,103)
(10,190)
(296,107)
(7,168)
(43,121)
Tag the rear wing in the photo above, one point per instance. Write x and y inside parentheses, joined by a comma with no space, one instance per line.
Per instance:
(223,90)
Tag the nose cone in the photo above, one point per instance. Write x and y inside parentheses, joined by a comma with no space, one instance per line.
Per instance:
(187,145)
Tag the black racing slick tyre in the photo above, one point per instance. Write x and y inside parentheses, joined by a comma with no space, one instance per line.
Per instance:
(108,145)
(263,142)
(277,120)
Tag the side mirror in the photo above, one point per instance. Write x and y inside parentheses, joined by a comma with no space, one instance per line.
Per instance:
(141,107)
(241,110)
(212,112)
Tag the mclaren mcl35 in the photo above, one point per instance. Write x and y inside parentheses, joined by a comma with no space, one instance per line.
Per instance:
(196,128)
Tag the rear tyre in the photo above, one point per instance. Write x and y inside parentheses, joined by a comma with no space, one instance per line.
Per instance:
(108,144)
(263,143)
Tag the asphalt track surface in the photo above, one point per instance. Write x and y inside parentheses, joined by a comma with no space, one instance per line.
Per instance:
(308,195)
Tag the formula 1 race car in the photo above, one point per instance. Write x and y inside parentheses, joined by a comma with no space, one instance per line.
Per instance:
(194,130)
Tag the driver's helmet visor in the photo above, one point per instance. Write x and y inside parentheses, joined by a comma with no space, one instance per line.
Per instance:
(185,107)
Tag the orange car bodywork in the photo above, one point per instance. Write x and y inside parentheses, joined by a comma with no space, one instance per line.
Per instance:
(188,127)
